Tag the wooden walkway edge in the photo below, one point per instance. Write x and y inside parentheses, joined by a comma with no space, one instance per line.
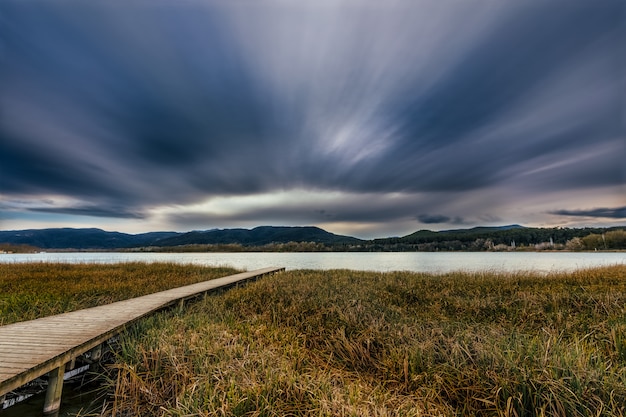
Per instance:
(47,345)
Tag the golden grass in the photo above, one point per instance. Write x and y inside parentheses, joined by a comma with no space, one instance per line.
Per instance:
(347,343)
(33,290)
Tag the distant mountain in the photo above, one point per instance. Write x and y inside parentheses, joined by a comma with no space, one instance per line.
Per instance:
(480,230)
(477,238)
(484,229)
(81,239)
(68,238)
(259,236)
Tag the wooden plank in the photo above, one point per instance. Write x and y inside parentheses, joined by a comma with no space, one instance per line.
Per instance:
(9,366)
(32,358)
(37,341)
(6,373)
(33,348)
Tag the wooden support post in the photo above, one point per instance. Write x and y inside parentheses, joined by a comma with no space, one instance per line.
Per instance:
(2,397)
(52,403)
(96,353)
(181,305)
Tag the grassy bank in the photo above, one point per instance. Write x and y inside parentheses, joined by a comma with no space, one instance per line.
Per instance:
(33,290)
(353,343)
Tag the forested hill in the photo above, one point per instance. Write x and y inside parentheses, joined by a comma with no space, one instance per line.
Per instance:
(83,239)
(513,236)
(272,238)
(259,236)
(69,238)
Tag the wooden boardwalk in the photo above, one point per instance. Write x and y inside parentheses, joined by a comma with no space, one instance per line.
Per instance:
(49,345)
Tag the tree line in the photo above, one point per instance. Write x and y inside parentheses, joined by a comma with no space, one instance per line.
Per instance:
(519,238)
(479,239)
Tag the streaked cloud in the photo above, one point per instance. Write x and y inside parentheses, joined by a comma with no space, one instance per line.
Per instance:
(192,114)
(611,213)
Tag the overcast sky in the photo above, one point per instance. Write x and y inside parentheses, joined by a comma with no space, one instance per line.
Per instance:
(365,118)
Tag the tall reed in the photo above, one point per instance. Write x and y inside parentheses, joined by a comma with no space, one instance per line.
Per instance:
(358,343)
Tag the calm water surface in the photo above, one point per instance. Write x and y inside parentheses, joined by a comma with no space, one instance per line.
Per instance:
(377,261)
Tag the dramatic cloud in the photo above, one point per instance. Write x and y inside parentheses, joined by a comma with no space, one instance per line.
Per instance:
(355,115)
(611,213)
(438,218)
(90,211)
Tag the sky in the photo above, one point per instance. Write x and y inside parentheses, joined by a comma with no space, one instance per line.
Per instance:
(366,118)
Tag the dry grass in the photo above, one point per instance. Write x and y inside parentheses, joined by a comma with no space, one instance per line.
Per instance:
(33,290)
(347,343)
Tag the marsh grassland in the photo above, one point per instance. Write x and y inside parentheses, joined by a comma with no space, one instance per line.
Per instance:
(38,289)
(348,343)
(354,343)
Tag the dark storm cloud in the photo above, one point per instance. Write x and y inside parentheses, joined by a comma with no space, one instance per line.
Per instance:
(95,108)
(142,104)
(512,61)
(92,211)
(433,218)
(439,219)
(610,213)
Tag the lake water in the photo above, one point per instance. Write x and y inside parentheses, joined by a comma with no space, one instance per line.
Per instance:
(437,262)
